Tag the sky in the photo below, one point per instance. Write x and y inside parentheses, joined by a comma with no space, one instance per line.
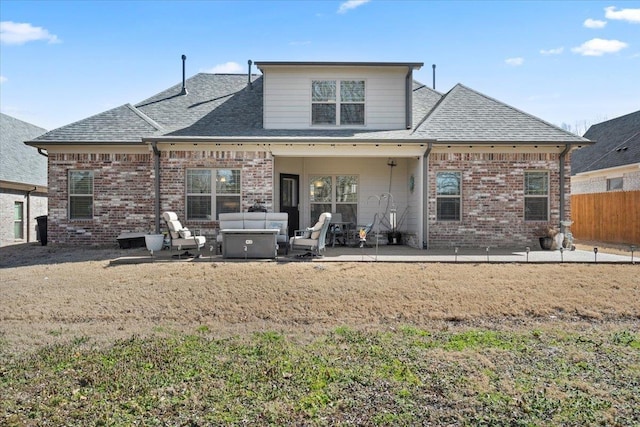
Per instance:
(570,63)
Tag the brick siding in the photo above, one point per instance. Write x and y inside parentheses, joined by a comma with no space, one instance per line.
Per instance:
(124,190)
(493,198)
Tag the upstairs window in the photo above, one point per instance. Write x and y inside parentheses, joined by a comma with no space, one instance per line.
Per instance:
(80,194)
(536,196)
(337,102)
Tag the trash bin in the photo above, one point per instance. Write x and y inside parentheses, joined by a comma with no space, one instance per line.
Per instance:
(42,229)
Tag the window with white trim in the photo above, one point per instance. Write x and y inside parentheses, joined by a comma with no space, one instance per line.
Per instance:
(80,194)
(341,198)
(536,196)
(327,108)
(614,184)
(211,192)
(448,196)
(18,220)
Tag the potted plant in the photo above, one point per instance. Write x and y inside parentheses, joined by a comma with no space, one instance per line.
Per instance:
(393,224)
(546,234)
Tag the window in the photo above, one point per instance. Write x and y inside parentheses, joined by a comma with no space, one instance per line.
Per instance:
(329,109)
(448,196)
(614,184)
(536,196)
(209,188)
(341,198)
(80,194)
(18,221)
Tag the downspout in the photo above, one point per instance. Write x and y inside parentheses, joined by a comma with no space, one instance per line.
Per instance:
(563,154)
(29,213)
(408,98)
(156,161)
(425,196)
(42,153)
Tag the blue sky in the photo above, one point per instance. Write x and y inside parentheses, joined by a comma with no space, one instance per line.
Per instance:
(572,62)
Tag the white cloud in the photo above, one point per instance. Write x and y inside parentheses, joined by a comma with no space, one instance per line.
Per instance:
(3,79)
(516,62)
(594,23)
(351,4)
(227,68)
(599,47)
(556,51)
(20,33)
(631,15)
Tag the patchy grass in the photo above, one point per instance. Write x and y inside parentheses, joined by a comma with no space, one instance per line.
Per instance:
(405,376)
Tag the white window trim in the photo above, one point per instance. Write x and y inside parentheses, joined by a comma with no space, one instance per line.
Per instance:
(337,103)
(615,189)
(447,196)
(213,195)
(536,196)
(334,191)
(70,195)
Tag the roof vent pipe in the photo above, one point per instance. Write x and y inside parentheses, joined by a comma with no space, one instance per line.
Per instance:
(184,86)
(434,76)
(249,75)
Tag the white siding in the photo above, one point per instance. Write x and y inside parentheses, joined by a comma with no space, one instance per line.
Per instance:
(373,179)
(287,95)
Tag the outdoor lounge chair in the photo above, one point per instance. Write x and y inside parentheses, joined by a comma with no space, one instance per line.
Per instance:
(181,237)
(312,239)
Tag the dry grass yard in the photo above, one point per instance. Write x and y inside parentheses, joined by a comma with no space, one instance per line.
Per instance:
(61,299)
(343,343)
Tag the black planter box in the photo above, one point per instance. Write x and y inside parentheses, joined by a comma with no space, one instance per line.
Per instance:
(131,240)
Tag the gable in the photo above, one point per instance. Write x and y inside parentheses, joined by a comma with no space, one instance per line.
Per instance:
(381,104)
(464,115)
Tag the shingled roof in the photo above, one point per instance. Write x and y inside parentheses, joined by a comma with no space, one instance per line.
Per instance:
(617,144)
(18,162)
(225,106)
(464,115)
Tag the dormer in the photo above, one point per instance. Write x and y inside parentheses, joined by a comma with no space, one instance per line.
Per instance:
(337,95)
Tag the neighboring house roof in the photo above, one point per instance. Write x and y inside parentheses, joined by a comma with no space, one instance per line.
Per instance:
(226,107)
(617,144)
(464,115)
(20,163)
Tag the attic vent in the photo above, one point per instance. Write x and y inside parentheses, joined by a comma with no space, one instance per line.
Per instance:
(621,149)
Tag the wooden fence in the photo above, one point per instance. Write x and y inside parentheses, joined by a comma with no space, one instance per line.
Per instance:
(607,217)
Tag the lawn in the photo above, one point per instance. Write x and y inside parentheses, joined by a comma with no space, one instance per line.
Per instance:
(86,343)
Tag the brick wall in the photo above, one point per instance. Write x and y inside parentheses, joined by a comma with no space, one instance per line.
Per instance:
(123,197)
(124,190)
(256,175)
(493,198)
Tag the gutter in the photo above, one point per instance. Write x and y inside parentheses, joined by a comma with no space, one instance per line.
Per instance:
(156,164)
(408,103)
(425,196)
(563,154)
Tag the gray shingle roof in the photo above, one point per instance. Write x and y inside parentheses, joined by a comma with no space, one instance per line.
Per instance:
(20,163)
(120,124)
(224,106)
(617,144)
(464,115)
